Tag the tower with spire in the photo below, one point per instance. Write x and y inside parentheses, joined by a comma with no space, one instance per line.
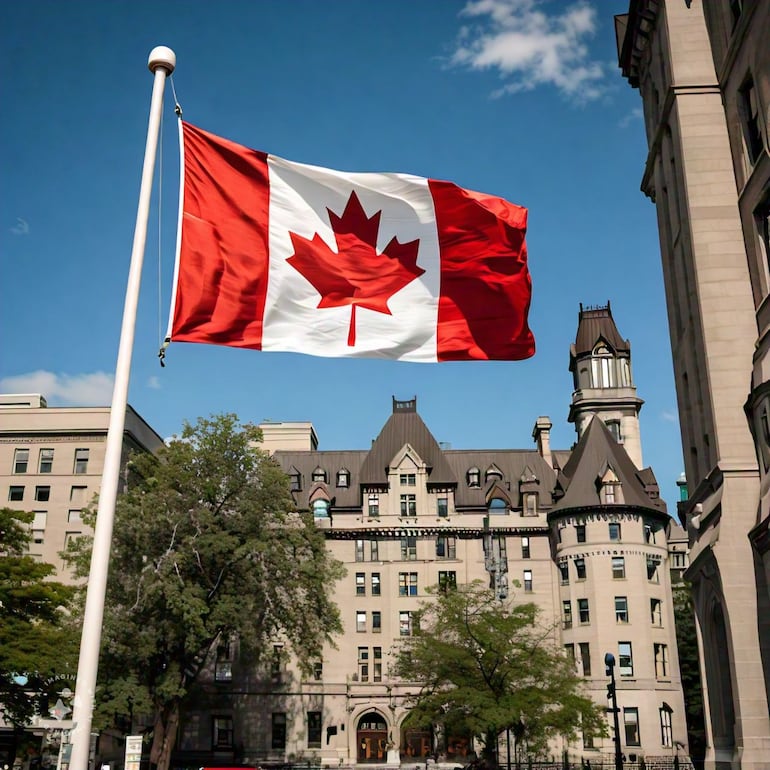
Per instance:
(600,362)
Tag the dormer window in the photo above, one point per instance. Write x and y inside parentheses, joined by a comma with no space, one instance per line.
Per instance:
(295,480)
(530,504)
(343,479)
(493,473)
(610,489)
(319,475)
(473,477)
(497,506)
(321,509)
(602,367)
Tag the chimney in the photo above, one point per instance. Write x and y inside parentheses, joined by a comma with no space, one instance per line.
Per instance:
(541,433)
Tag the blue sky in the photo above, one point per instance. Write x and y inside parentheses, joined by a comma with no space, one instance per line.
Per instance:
(516,98)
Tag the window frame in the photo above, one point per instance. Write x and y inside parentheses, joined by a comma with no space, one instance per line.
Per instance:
(631,711)
(621,609)
(314,722)
(618,564)
(20,461)
(45,463)
(625,652)
(584,611)
(216,731)
(16,493)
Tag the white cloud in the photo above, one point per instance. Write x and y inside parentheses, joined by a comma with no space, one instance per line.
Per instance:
(153,382)
(669,416)
(21,227)
(94,389)
(530,48)
(635,114)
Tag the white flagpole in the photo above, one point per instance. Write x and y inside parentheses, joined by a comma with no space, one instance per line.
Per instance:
(161,62)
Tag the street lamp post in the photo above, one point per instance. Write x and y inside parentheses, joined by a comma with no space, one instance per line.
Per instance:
(609,662)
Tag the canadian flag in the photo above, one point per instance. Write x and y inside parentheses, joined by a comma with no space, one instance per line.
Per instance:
(276,255)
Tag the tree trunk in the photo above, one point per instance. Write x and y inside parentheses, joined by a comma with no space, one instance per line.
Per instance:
(164,737)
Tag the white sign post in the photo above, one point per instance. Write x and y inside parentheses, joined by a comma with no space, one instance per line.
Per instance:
(133,752)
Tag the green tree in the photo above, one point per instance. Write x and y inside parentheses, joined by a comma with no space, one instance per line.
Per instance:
(206,546)
(38,641)
(689,668)
(486,666)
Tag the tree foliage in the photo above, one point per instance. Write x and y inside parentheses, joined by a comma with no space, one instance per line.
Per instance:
(38,641)
(206,547)
(487,666)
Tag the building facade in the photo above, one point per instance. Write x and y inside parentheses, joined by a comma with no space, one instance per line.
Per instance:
(582,532)
(703,72)
(51,461)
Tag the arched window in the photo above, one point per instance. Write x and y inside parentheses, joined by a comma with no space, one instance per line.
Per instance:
(602,367)
(343,478)
(497,505)
(473,477)
(493,473)
(320,509)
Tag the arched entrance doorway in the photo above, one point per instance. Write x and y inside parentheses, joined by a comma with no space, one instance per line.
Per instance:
(416,743)
(372,738)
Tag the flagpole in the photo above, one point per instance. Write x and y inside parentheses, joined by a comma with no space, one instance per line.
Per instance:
(161,63)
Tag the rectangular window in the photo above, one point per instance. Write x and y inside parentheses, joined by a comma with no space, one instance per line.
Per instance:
(407,584)
(408,505)
(375,583)
(585,658)
(376,622)
(583,613)
(74,516)
(580,532)
(408,548)
(749,111)
(374,550)
(374,506)
(566,613)
(45,462)
(446,547)
(38,526)
(81,461)
(564,572)
(527,579)
(318,670)
(631,725)
(222,733)
(42,494)
(78,495)
(359,550)
(625,659)
(377,666)
(314,729)
(407,479)
(652,570)
(580,568)
(278,737)
(570,650)
(762,224)
(223,670)
(666,733)
(360,621)
(661,660)
(363,664)
(649,534)
(442,506)
(656,613)
(525,548)
(16,494)
(614,532)
(405,623)
(618,567)
(530,505)
(20,460)
(621,609)
(447,581)
(360,584)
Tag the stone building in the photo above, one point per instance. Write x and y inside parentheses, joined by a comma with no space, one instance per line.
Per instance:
(51,461)
(583,532)
(703,73)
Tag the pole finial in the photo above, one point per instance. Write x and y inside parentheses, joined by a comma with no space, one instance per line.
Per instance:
(161,56)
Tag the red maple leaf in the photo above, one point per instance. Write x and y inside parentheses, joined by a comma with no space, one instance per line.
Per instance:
(356,274)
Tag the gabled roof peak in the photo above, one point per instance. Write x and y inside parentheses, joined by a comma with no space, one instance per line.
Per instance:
(595,323)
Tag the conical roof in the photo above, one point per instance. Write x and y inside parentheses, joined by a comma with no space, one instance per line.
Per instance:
(595,324)
(597,451)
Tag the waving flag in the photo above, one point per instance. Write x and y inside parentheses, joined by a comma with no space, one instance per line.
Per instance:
(282,256)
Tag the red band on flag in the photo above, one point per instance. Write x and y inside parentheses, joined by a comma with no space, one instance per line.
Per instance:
(224,251)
